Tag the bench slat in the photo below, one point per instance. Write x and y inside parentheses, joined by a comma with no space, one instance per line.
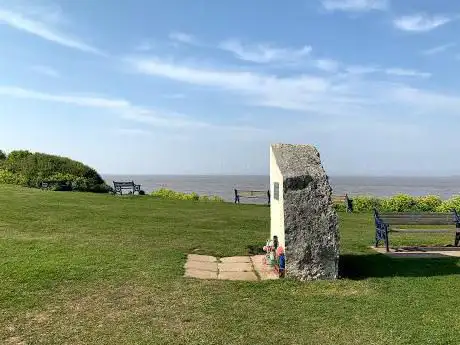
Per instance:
(416,215)
(415,222)
(423,231)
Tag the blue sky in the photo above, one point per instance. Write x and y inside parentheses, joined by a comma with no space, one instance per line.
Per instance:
(193,87)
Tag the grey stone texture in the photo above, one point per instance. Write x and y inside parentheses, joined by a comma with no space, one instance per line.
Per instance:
(310,221)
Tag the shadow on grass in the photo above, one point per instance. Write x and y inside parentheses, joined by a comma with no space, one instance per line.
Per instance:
(364,266)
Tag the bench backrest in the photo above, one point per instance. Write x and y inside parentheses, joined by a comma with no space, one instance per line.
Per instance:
(123,184)
(339,198)
(404,218)
(251,193)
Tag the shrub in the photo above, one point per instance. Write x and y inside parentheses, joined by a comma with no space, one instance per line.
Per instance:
(7,177)
(212,198)
(448,205)
(31,169)
(165,193)
(141,192)
(340,207)
(399,203)
(429,203)
(365,203)
(402,203)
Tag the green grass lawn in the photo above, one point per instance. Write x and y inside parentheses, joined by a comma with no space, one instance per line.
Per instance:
(79,268)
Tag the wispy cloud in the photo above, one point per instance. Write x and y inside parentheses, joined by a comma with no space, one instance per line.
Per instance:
(355,5)
(263,52)
(46,70)
(132,131)
(360,70)
(144,46)
(122,108)
(329,96)
(407,73)
(183,37)
(44,30)
(421,22)
(332,95)
(327,65)
(394,71)
(438,49)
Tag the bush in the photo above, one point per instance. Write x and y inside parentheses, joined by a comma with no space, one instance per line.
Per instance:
(31,169)
(450,204)
(365,203)
(170,194)
(402,203)
(7,177)
(429,203)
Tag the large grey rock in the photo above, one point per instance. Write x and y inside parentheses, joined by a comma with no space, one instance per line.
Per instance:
(310,221)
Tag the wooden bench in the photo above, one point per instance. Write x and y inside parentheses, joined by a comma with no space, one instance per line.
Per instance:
(385,223)
(338,199)
(120,186)
(256,194)
(63,185)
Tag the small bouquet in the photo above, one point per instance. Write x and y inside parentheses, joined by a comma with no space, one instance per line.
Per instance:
(269,250)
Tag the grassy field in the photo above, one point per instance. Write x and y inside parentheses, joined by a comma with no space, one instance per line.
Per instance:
(80,268)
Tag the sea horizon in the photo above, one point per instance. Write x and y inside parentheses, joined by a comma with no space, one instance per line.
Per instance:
(224,185)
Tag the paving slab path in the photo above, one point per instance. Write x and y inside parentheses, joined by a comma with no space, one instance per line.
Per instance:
(247,268)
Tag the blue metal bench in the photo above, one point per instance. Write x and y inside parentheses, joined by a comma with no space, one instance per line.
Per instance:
(385,222)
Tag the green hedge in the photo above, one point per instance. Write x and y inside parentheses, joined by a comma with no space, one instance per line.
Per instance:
(31,169)
(403,203)
(171,194)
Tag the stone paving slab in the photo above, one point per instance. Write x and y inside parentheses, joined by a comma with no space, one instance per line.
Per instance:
(203,266)
(231,268)
(200,274)
(264,271)
(201,258)
(248,276)
(236,259)
(235,267)
(429,252)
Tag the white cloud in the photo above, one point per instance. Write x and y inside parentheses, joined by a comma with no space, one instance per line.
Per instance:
(333,95)
(43,30)
(121,107)
(395,71)
(438,49)
(183,38)
(96,102)
(144,46)
(355,5)
(407,73)
(268,90)
(420,22)
(327,65)
(264,53)
(46,70)
(132,131)
(356,69)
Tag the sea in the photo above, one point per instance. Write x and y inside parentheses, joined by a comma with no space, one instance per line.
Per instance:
(224,185)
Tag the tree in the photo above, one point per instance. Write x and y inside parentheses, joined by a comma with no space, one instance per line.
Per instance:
(2,155)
